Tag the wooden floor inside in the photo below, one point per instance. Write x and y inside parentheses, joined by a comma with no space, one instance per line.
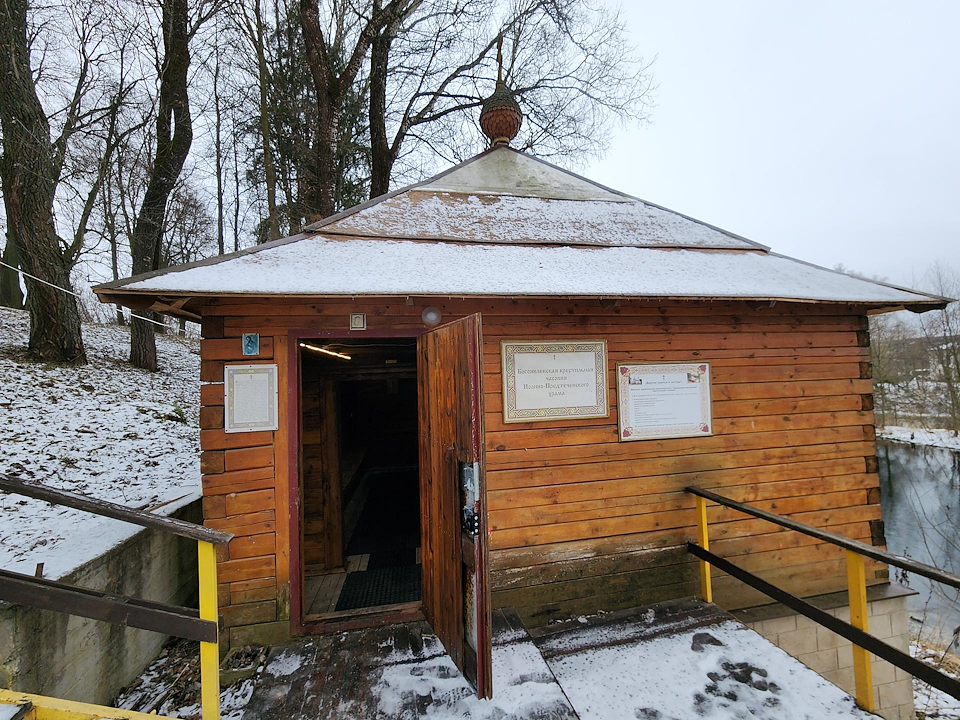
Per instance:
(322,592)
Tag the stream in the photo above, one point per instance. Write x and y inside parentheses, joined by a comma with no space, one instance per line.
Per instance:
(920,497)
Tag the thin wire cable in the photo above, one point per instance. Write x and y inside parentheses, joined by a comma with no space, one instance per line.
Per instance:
(70,292)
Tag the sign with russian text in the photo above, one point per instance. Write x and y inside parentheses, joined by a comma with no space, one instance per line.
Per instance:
(250,396)
(551,380)
(663,400)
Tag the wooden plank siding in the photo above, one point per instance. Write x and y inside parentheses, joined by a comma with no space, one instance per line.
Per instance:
(579,521)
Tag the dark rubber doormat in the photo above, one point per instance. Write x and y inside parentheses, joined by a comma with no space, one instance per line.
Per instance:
(382,586)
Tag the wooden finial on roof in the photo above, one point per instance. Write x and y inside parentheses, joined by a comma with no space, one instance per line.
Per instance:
(500,116)
(500,59)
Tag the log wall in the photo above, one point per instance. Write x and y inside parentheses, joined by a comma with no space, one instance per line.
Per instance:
(580,521)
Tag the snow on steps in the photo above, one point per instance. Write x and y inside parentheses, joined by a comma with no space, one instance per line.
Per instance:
(666,662)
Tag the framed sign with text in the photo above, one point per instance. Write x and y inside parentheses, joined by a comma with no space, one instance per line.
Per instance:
(250,398)
(663,400)
(555,379)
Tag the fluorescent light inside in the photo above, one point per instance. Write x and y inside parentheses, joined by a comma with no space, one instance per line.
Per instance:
(308,346)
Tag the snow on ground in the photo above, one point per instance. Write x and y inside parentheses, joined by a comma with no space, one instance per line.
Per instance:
(915,436)
(104,429)
(723,671)
(523,685)
(284,664)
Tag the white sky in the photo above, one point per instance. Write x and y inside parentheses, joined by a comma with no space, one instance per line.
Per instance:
(829,131)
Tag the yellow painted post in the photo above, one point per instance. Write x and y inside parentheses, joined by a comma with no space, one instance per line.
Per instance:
(706,588)
(862,670)
(209,651)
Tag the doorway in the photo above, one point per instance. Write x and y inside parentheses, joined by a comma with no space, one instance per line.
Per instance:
(389,515)
(360,477)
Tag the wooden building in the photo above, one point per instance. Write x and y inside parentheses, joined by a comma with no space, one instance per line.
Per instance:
(401,479)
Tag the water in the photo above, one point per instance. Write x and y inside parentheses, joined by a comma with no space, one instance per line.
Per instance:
(920,497)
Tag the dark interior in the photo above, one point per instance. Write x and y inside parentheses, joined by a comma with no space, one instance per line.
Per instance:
(360,475)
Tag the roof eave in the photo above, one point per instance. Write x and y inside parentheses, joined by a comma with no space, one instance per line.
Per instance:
(189,304)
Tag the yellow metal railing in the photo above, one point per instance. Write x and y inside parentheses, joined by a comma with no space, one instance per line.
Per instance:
(132,612)
(857,630)
(209,651)
(857,592)
(706,585)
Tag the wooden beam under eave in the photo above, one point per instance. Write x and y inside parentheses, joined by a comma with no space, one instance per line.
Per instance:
(134,302)
(175,308)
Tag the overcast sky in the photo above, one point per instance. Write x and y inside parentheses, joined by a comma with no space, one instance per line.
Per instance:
(829,131)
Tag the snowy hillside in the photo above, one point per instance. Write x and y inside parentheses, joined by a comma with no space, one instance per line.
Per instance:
(104,429)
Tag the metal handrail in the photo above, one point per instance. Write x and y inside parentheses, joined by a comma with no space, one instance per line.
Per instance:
(869,551)
(857,629)
(37,592)
(113,510)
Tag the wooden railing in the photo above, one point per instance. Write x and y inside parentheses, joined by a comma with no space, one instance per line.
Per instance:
(181,622)
(856,631)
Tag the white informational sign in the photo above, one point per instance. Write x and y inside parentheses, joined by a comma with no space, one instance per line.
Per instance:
(250,398)
(664,401)
(550,380)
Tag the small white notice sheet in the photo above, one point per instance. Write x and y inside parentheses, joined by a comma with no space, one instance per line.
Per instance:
(663,400)
(250,398)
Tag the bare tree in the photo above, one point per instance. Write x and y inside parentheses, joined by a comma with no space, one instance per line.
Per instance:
(174,135)
(78,89)
(30,170)
(253,24)
(11,295)
(941,329)
(336,50)
(431,65)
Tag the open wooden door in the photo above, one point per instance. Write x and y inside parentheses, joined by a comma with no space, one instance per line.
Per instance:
(456,591)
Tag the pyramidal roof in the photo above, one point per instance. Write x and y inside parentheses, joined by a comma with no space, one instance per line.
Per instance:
(507,224)
(507,197)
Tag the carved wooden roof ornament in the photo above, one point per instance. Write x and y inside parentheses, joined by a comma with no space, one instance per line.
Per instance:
(500,116)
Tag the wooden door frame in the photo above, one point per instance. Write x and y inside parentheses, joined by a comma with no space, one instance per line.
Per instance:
(298,626)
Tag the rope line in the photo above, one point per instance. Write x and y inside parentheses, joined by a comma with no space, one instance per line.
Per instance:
(70,292)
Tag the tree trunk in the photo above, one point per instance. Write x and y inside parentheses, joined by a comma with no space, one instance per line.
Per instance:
(330,90)
(318,195)
(322,202)
(11,295)
(218,152)
(382,155)
(30,172)
(269,168)
(174,137)
(236,198)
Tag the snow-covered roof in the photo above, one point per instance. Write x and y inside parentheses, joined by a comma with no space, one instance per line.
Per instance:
(508,197)
(507,224)
(321,265)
